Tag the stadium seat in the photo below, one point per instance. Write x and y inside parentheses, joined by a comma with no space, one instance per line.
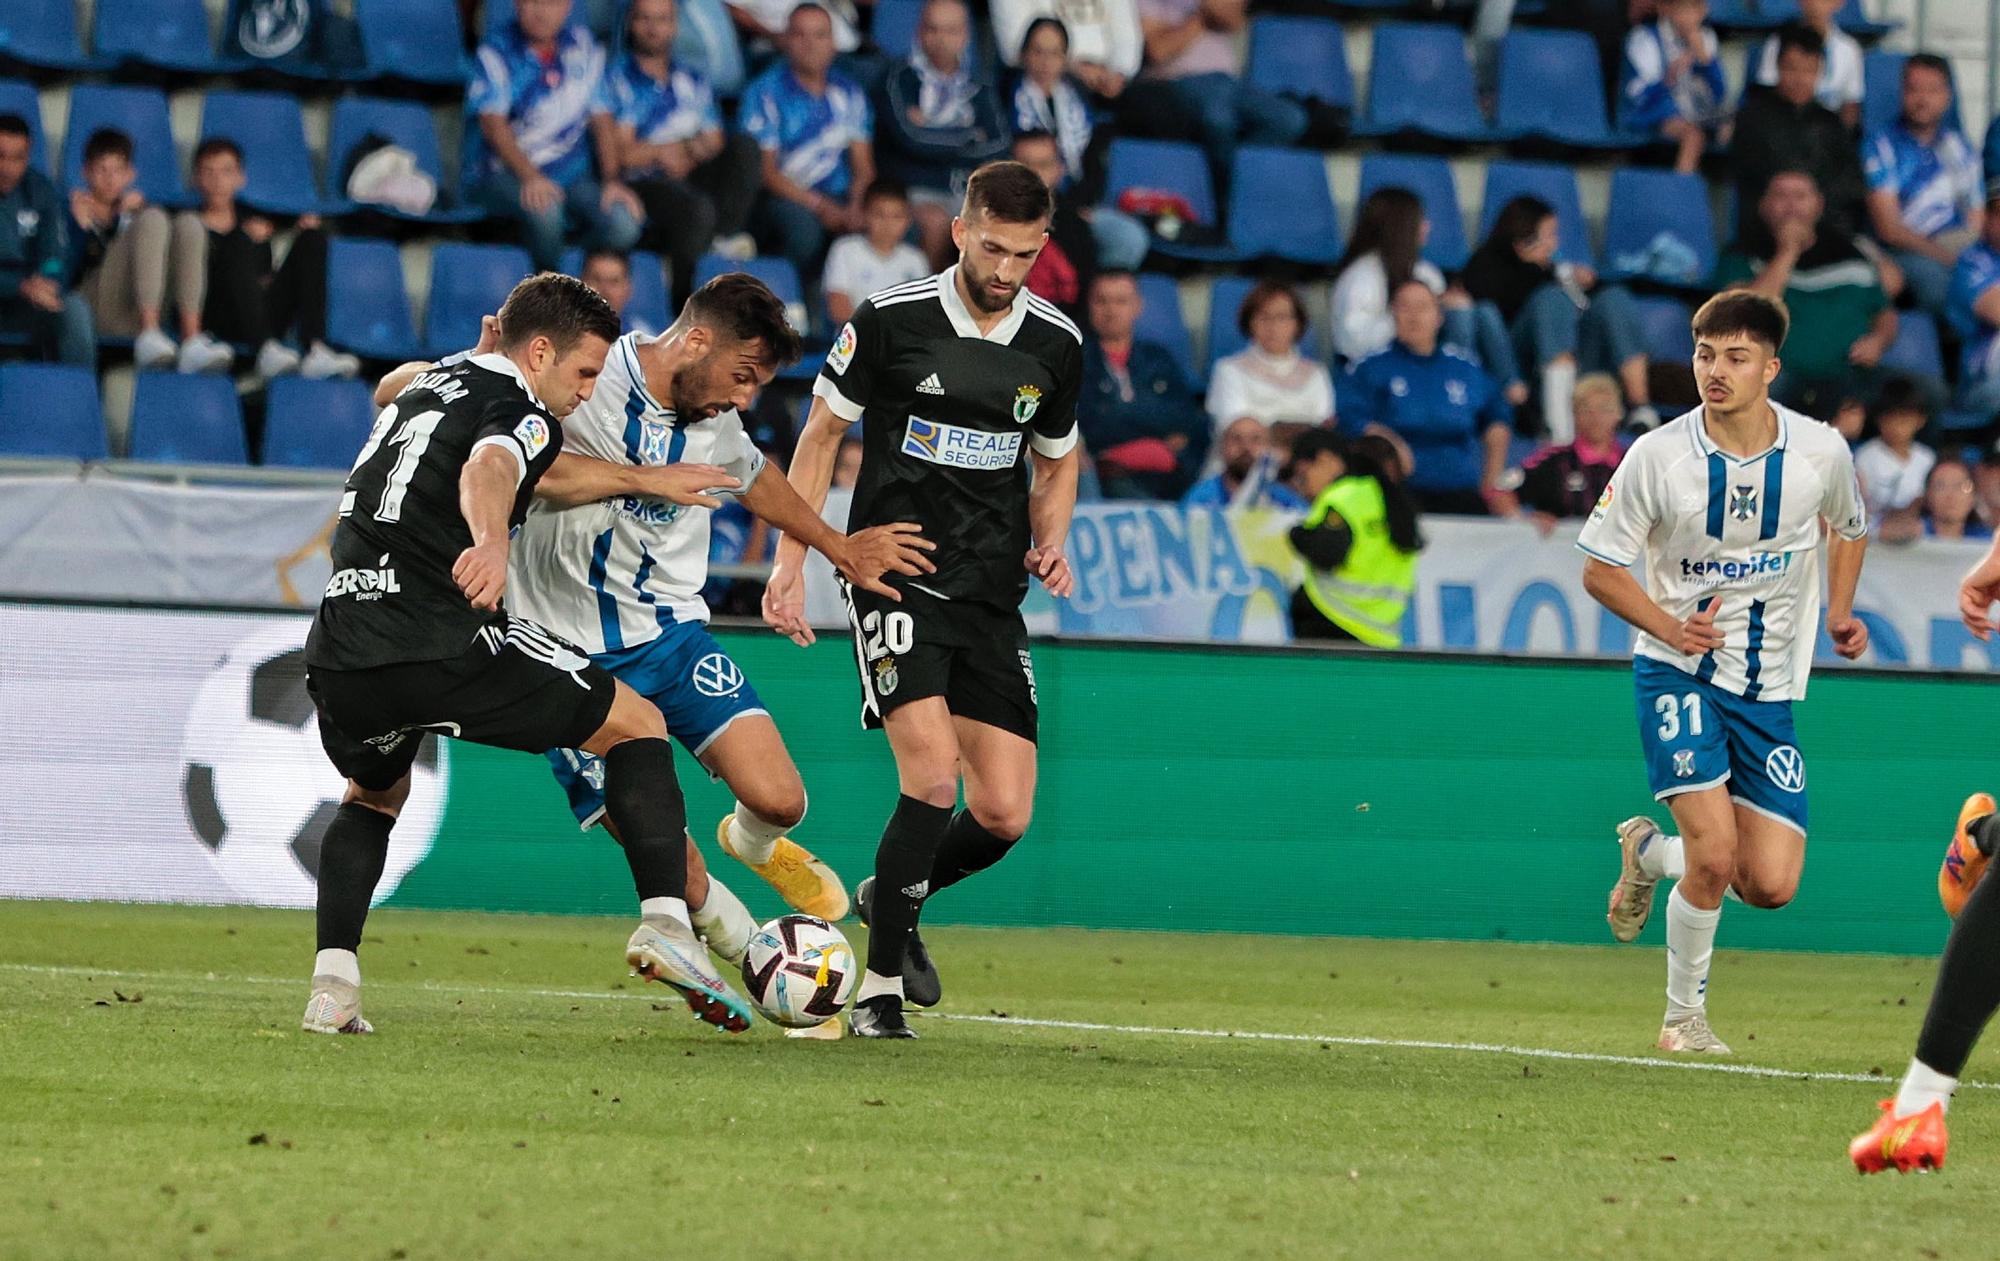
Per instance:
(1550,87)
(1554,184)
(406,124)
(1857,23)
(1751,15)
(183,418)
(1161,319)
(1225,297)
(1659,227)
(778,274)
(1419,80)
(18,97)
(468,282)
(367,309)
(316,424)
(1170,166)
(162,34)
(1663,324)
(895,27)
(1915,351)
(651,303)
(415,40)
(50,410)
(1280,206)
(1431,180)
(140,113)
(271,131)
(42,33)
(1301,57)
(1882,92)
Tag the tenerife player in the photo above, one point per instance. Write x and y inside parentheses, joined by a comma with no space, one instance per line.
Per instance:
(951,378)
(411,637)
(1725,506)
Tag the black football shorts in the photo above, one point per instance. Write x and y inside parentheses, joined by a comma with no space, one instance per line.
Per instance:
(973,655)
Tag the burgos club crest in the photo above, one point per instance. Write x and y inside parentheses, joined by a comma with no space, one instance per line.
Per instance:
(1027,400)
(886,677)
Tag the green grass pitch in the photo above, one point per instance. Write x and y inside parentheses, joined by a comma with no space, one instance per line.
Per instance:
(524,1098)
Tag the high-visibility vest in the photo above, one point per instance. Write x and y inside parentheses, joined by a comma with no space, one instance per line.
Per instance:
(1366,596)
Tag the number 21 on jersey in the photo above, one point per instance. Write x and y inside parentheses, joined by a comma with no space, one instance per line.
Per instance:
(410,437)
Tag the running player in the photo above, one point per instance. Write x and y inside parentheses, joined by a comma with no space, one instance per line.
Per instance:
(411,637)
(1725,507)
(950,377)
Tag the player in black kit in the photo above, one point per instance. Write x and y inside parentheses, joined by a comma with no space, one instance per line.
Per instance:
(411,638)
(962,382)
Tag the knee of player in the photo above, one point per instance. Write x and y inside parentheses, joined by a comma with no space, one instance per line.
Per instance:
(938,789)
(387,801)
(782,805)
(1767,895)
(1713,869)
(1007,820)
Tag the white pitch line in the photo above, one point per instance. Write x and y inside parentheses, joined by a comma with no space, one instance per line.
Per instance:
(1078,1026)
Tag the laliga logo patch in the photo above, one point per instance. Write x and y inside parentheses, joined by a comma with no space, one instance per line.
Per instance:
(533,434)
(717,675)
(1684,763)
(886,677)
(1786,768)
(1027,400)
(842,353)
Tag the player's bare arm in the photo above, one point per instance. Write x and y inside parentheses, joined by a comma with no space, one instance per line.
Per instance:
(862,558)
(485,496)
(1616,589)
(811,473)
(581,479)
(1843,569)
(1051,503)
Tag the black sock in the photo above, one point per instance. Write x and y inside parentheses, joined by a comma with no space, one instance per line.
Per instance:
(1968,982)
(1985,832)
(351,857)
(903,865)
(643,797)
(966,850)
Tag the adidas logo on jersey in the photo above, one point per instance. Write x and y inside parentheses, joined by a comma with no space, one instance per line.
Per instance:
(930,385)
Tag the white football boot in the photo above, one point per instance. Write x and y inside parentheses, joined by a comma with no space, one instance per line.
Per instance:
(665,950)
(335,1007)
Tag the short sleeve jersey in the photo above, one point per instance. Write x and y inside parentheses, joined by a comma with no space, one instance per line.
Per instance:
(945,416)
(1977,272)
(1936,185)
(1708,525)
(392,598)
(679,109)
(810,134)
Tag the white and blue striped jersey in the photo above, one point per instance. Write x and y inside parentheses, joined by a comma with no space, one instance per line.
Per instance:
(1711,524)
(613,574)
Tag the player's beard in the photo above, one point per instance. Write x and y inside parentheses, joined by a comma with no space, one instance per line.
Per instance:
(982,293)
(691,384)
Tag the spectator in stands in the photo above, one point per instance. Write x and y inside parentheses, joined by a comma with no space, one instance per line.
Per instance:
(1949,504)
(1248,477)
(1137,414)
(1385,251)
(34,258)
(813,124)
(1673,85)
(1194,85)
(610,273)
(847,464)
(1045,100)
(1269,381)
(937,122)
(771,20)
(124,252)
(1841,318)
(1106,44)
(1986,485)
(863,263)
(1893,466)
(1063,269)
(1435,399)
(1566,480)
(1359,540)
(1973,310)
(1786,129)
(1924,190)
(695,181)
(1556,314)
(535,110)
(1838,83)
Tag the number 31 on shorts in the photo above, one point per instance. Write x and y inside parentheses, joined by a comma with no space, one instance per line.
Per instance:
(1673,710)
(890,634)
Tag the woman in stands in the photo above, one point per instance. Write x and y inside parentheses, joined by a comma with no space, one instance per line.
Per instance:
(1359,541)
(1049,99)
(1385,251)
(1269,380)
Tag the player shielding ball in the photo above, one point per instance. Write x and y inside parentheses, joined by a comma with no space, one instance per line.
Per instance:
(1726,506)
(962,382)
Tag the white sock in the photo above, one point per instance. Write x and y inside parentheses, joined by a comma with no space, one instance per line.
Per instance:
(724,922)
(874,983)
(672,908)
(338,963)
(753,838)
(1558,379)
(1663,857)
(1923,1086)
(1690,943)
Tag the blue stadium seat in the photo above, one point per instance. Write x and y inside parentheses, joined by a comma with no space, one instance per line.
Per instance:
(1554,184)
(162,34)
(651,303)
(407,124)
(50,410)
(1656,218)
(140,113)
(271,131)
(1915,350)
(1663,324)
(1161,319)
(1751,15)
(1551,87)
(18,97)
(1882,92)
(778,274)
(181,418)
(1857,23)
(1281,207)
(415,40)
(1302,57)
(367,308)
(1419,80)
(895,27)
(1430,179)
(1172,166)
(1225,297)
(42,33)
(316,424)
(468,282)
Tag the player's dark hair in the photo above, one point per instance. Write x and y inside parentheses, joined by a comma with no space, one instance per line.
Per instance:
(1028,35)
(1928,61)
(1009,192)
(1518,221)
(560,308)
(1389,223)
(15,125)
(741,308)
(1900,393)
(107,142)
(886,189)
(1739,311)
(217,145)
(1265,292)
(1799,37)
(619,257)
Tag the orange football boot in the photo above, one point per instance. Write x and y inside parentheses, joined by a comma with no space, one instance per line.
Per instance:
(1902,1143)
(1963,863)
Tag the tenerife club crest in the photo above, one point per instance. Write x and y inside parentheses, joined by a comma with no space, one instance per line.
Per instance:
(1684,763)
(1027,400)
(1743,502)
(653,437)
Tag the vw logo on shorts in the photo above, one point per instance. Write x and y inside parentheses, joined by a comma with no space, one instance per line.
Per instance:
(717,675)
(1786,768)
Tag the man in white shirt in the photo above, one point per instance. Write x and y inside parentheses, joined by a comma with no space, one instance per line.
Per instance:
(1724,506)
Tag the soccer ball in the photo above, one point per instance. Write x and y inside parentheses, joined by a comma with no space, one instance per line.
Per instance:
(799,970)
(258,789)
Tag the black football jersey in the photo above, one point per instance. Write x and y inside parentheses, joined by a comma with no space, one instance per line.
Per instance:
(392,597)
(947,418)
